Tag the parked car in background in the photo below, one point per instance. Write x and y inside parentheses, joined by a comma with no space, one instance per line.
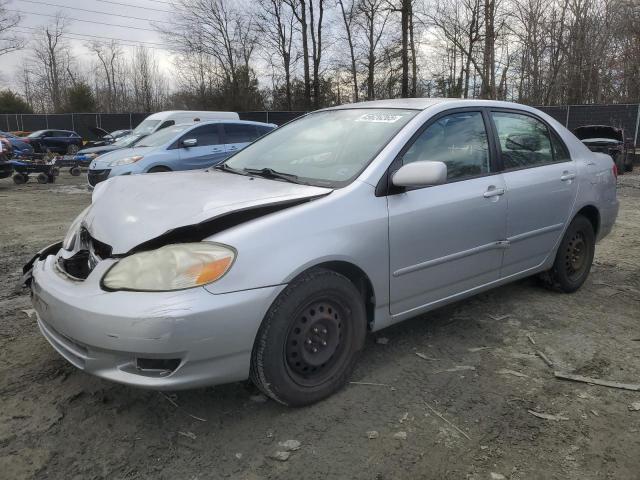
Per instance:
(20,147)
(609,140)
(179,147)
(5,154)
(122,142)
(160,120)
(105,138)
(274,264)
(57,141)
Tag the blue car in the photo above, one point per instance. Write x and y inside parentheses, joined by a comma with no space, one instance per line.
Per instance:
(20,148)
(179,147)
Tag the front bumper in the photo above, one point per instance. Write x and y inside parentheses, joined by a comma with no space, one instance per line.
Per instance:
(107,333)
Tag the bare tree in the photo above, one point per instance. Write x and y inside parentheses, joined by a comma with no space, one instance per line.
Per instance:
(275,23)
(9,39)
(373,17)
(348,18)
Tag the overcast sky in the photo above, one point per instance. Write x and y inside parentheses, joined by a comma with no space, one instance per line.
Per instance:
(38,13)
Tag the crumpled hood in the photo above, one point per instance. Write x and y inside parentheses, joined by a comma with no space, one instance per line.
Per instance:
(130,210)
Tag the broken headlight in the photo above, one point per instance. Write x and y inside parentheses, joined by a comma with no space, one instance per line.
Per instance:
(172,267)
(70,239)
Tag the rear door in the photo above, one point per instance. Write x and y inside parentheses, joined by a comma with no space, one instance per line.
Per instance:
(208,151)
(541,184)
(238,136)
(447,239)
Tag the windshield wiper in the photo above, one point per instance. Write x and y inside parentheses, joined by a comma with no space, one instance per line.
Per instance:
(271,173)
(225,168)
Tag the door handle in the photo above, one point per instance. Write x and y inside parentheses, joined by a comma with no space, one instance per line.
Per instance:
(492,191)
(567,176)
(233,148)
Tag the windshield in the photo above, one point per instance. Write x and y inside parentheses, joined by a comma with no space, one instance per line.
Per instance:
(162,136)
(329,147)
(36,134)
(146,127)
(127,141)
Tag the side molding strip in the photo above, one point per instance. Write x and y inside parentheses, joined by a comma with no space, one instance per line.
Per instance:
(500,244)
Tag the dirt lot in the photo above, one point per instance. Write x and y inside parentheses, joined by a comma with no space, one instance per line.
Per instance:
(480,374)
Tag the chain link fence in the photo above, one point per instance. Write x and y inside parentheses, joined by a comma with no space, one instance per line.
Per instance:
(626,116)
(80,122)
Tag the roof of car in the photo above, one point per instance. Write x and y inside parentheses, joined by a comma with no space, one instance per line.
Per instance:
(409,103)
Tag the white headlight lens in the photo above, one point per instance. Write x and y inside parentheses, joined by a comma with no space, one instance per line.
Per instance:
(173,267)
(126,161)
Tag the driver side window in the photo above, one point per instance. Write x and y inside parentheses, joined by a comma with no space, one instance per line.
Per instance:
(206,135)
(459,140)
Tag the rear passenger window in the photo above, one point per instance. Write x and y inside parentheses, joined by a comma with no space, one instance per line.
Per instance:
(165,124)
(459,140)
(524,140)
(560,153)
(237,133)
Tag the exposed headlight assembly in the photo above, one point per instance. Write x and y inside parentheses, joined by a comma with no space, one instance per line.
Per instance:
(172,267)
(70,239)
(126,160)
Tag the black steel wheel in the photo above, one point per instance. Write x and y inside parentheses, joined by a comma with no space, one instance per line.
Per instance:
(310,339)
(75,171)
(19,178)
(574,257)
(42,178)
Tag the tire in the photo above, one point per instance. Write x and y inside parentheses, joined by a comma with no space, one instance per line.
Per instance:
(19,179)
(42,178)
(574,258)
(75,171)
(310,339)
(159,170)
(628,165)
(72,149)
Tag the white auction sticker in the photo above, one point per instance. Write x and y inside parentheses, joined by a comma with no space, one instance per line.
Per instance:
(379,118)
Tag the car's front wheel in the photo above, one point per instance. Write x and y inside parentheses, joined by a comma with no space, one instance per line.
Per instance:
(574,258)
(72,149)
(310,339)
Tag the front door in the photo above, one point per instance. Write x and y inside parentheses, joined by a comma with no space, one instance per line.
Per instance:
(541,184)
(209,150)
(447,239)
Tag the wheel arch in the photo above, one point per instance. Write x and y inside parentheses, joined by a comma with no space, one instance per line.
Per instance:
(358,278)
(592,214)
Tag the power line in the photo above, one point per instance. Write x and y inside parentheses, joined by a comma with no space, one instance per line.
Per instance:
(66,35)
(93,11)
(129,40)
(134,6)
(85,21)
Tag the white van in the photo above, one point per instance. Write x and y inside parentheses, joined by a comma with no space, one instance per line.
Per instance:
(160,120)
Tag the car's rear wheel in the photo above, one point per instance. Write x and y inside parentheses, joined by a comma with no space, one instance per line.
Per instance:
(72,149)
(42,178)
(574,258)
(159,169)
(310,339)
(75,171)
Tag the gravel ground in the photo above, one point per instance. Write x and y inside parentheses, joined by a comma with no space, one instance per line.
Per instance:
(458,410)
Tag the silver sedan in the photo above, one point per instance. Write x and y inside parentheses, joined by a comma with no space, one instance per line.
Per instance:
(275,264)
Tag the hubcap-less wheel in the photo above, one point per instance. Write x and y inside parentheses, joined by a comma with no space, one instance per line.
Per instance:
(576,256)
(314,343)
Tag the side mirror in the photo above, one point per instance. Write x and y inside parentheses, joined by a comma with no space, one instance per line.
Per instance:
(420,174)
(190,142)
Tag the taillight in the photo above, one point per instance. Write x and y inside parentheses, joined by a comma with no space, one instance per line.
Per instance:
(615,170)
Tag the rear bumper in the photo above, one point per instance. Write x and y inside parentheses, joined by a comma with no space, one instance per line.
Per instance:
(210,337)
(608,215)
